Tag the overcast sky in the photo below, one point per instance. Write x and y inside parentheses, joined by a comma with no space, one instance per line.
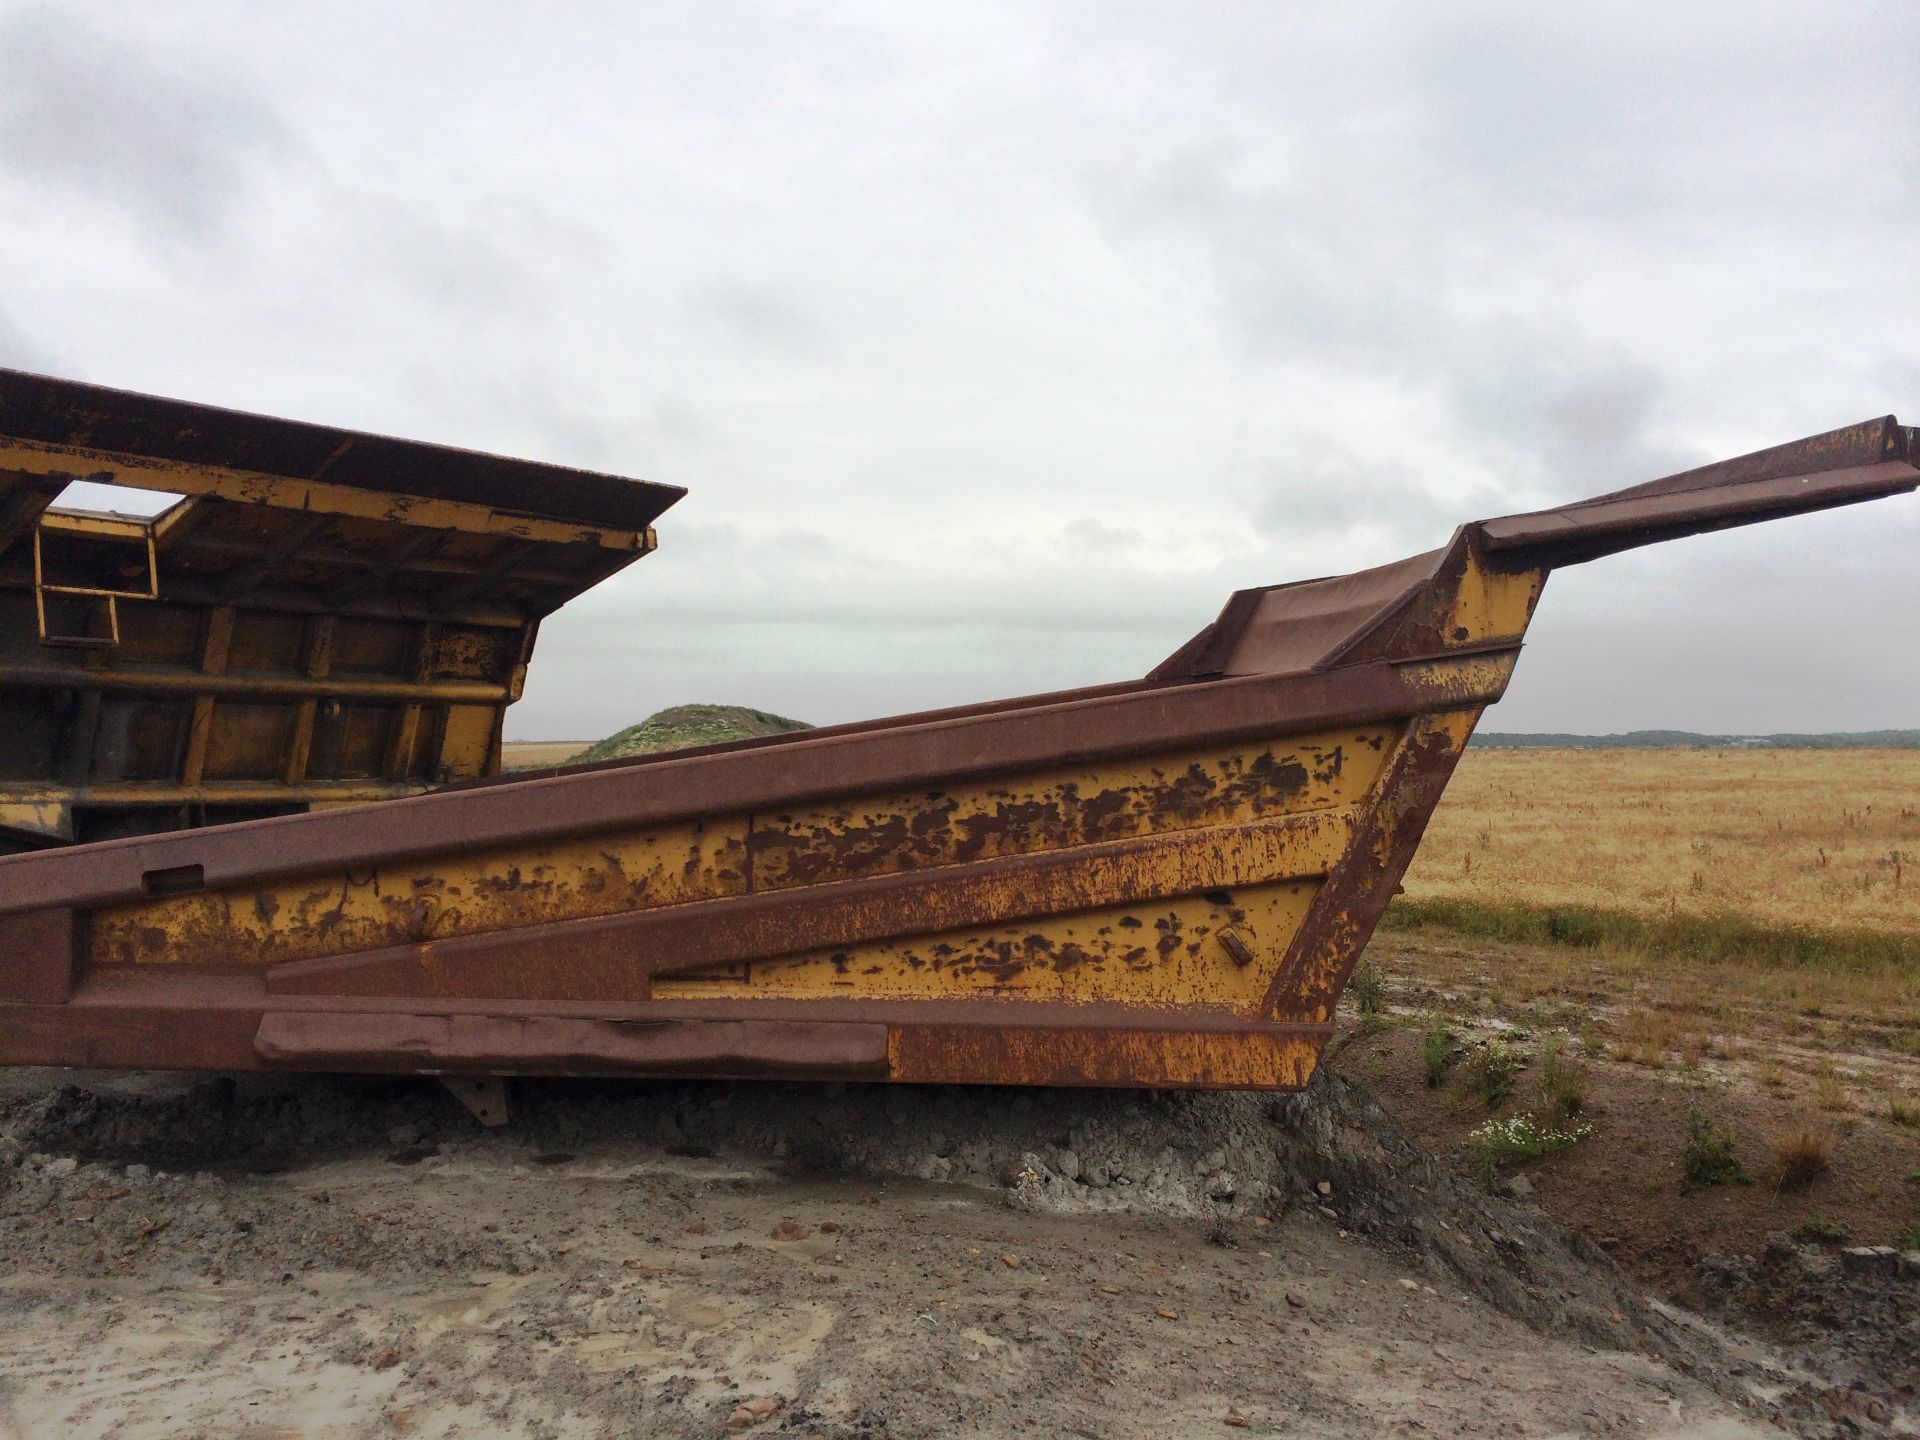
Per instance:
(997,344)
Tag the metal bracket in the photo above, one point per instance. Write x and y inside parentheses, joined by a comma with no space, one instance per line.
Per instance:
(41,589)
(484,1096)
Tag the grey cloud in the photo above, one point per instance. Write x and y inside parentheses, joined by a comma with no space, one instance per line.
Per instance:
(1320,498)
(1666,120)
(812,625)
(1099,537)
(84,111)
(997,344)
(1300,281)
(1574,417)
(724,574)
(528,412)
(18,351)
(762,316)
(460,269)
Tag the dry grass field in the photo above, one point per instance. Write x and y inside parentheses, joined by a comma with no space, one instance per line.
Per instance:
(538,754)
(1820,839)
(1695,892)
(1746,885)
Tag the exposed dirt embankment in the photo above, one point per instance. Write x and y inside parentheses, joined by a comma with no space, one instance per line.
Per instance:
(323,1256)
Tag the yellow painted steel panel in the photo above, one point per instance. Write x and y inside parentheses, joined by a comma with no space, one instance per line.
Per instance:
(461,895)
(1161,953)
(1488,672)
(49,817)
(1492,604)
(1057,809)
(1359,887)
(455,895)
(467,739)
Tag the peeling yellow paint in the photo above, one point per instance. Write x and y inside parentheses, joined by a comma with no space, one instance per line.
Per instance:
(465,895)
(37,815)
(1257,1060)
(1165,953)
(1492,604)
(1057,809)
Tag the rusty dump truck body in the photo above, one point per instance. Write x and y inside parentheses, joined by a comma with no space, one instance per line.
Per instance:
(1162,882)
(317,618)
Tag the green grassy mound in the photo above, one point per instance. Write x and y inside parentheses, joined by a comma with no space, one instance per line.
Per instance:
(685,726)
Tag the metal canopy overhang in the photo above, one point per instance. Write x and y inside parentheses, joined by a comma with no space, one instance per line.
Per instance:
(69,415)
(320,618)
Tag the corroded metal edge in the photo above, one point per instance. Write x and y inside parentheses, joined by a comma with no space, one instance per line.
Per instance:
(46,410)
(201,1022)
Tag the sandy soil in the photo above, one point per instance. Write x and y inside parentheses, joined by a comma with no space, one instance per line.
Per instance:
(329,1257)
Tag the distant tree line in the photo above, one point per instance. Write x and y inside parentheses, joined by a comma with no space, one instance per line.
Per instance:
(1693,740)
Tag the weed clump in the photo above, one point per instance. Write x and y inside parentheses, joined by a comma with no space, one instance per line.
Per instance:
(1903,1111)
(1646,1036)
(1820,1232)
(1830,1094)
(1561,1082)
(1708,1158)
(1368,989)
(1804,1156)
(1526,1136)
(1492,1071)
(1436,1051)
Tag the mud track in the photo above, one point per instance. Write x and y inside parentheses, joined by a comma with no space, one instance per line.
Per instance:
(327,1256)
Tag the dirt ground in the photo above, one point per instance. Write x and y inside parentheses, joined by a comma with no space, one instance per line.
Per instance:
(324,1256)
(1760,1079)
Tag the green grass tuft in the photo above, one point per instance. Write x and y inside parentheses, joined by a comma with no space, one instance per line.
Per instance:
(1561,1082)
(1368,989)
(1725,939)
(1436,1050)
(1525,1136)
(1820,1232)
(1492,1069)
(1708,1158)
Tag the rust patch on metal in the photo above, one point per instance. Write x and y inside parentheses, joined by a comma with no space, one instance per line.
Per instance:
(959,927)
(1250,1059)
(1237,943)
(1058,810)
(560,1045)
(367,909)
